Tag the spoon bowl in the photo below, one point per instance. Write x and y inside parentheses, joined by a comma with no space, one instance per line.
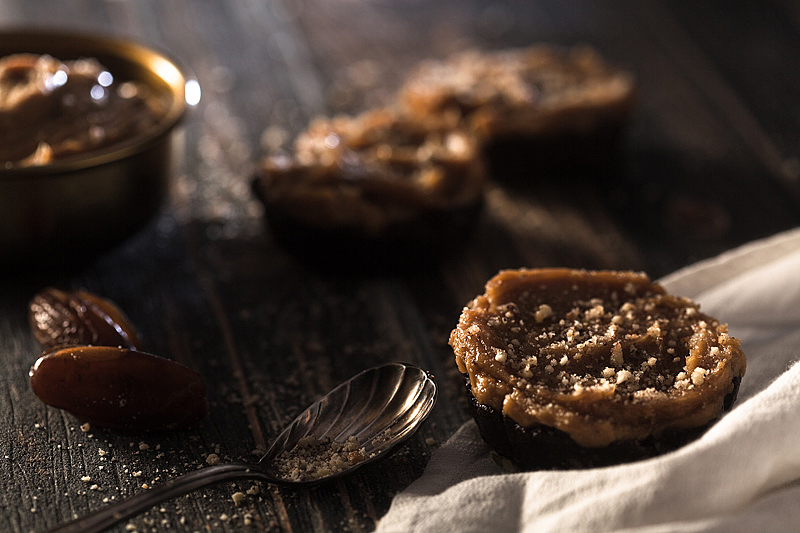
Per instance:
(372,414)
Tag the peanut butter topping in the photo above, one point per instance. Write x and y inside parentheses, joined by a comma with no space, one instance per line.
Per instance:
(372,171)
(603,356)
(540,89)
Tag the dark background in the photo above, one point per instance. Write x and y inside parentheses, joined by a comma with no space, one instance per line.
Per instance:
(710,161)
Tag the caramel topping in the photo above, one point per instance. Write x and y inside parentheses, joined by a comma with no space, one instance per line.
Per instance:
(602,356)
(372,170)
(532,90)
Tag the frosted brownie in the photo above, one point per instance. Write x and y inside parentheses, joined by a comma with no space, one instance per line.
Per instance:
(561,106)
(572,368)
(371,184)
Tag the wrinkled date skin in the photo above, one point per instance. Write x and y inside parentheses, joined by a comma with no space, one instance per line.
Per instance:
(60,318)
(119,388)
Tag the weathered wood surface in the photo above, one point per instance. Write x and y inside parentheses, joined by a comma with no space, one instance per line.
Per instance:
(710,162)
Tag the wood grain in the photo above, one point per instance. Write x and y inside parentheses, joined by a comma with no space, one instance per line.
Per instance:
(710,161)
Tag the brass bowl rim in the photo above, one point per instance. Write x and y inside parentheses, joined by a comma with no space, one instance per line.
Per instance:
(174,75)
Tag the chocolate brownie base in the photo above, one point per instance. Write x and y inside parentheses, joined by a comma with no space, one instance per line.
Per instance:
(546,448)
(403,247)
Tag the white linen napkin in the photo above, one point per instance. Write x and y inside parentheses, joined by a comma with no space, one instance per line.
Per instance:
(741,475)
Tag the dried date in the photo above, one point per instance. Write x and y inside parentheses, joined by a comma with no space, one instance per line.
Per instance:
(120,388)
(60,318)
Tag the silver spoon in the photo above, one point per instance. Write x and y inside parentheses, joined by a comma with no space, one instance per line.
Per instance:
(381,407)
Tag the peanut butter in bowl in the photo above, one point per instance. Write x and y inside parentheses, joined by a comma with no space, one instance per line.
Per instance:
(90,136)
(52,110)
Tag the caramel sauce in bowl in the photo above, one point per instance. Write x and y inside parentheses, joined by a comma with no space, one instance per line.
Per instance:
(96,195)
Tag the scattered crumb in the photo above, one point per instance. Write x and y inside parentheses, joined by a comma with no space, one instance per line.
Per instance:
(212,459)
(238,497)
(258,451)
(544,311)
(86,479)
(253,490)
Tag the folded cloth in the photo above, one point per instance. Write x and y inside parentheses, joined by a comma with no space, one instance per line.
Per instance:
(741,475)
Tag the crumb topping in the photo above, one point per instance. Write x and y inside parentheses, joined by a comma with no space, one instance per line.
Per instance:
(576,346)
(374,168)
(617,335)
(520,90)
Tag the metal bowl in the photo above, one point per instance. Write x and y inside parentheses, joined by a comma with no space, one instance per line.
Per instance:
(90,202)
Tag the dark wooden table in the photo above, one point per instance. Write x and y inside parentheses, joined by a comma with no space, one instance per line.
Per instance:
(710,162)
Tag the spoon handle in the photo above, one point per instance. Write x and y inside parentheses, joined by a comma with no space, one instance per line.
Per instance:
(108,516)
